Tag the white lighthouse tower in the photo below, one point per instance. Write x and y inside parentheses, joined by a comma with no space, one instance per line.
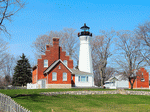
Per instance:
(85,59)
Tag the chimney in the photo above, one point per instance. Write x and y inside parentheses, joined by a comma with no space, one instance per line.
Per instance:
(56,52)
(55,41)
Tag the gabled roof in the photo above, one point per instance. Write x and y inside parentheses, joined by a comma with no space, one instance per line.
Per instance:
(117,77)
(77,72)
(53,65)
(111,78)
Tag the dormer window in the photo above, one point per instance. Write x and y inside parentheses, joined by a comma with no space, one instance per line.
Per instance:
(65,62)
(45,63)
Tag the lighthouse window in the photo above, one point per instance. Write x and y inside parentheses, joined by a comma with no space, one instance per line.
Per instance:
(45,63)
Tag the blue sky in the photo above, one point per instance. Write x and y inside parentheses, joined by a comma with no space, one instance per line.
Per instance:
(41,16)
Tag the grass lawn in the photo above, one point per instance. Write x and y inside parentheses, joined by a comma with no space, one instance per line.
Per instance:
(82,103)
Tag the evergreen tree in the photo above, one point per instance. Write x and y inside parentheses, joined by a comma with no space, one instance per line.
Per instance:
(22,72)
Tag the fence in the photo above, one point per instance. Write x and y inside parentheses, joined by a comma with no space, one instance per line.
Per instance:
(32,86)
(9,105)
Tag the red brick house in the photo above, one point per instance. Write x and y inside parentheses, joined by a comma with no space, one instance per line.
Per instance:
(54,68)
(142,79)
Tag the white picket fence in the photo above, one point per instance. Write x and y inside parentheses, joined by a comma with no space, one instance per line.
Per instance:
(9,105)
(32,86)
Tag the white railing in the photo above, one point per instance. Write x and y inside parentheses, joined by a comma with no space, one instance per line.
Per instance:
(9,105)
(32,86)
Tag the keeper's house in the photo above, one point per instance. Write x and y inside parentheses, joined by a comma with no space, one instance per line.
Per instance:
(55,70)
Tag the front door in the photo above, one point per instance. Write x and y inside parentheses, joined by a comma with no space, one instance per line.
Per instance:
(43,83)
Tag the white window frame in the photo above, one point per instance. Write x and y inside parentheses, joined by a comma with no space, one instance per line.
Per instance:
(65,62)
(64,77)
(45,63)
(79,78)
(54,76)
(86,78)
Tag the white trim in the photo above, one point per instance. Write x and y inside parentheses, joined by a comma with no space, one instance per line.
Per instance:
(50,67)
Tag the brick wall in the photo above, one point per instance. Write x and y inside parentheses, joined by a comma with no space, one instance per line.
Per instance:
(59,75)
(141,84)
(52,54)
(34,76)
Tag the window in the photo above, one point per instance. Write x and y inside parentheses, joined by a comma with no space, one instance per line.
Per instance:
(59,67)
(86,78)
(83,78)
(79,78)
(65,62)
(45,63)
(71,77)
(64,76)
(142,79)
(54,76)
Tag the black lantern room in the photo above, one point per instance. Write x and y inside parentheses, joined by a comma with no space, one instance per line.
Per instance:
(85,31)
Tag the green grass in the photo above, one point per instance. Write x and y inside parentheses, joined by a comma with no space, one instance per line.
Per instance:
(82,103)
(13,93)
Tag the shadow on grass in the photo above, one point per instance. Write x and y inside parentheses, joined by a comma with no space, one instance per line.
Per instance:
(34,97)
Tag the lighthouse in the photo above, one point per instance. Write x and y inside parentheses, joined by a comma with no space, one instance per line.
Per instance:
(85,59)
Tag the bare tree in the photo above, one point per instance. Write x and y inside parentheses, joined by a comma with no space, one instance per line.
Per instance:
(68,42)
(7,62)
(100,54)
(40,43)
(143,35)
(8,8)
(129,58)
(3,53)
(8,69)
(109,72)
